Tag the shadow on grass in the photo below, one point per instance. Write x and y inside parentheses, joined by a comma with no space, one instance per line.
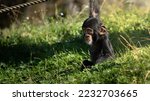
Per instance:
(24,52)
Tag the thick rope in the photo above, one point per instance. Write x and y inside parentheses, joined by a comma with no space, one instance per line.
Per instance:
(7,9)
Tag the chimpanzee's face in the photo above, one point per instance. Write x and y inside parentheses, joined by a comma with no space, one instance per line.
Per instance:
(93,30)
(88,35)
(90,29)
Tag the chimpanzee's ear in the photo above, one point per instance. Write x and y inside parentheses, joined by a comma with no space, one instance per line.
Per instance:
(102,30)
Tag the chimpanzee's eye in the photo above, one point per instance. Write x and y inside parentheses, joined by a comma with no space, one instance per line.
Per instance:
(89,31)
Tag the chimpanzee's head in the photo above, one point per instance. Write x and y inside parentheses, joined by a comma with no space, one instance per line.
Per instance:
(92,29)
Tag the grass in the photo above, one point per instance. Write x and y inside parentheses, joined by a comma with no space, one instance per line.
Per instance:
(53,52)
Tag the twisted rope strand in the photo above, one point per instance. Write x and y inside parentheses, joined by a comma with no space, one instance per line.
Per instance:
(7,9)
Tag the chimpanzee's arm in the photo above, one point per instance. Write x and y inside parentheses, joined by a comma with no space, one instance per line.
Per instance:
(107,48)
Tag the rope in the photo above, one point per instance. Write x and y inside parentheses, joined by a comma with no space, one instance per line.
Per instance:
(7,9)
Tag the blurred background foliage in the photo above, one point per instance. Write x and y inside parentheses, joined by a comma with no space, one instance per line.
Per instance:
(62,8)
